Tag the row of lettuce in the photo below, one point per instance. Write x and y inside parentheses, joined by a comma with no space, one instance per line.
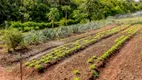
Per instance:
(126,35)
(68,49)
(15,39)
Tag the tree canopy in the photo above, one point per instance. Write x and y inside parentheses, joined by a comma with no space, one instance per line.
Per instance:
(37,10)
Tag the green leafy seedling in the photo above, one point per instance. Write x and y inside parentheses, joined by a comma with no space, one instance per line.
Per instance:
(27,63)
(76,72)
(39,67)
(31,65)
(95,74)
(92,67)
(90,60)
(37,62)
(76,78)
(47,62)
(94,57)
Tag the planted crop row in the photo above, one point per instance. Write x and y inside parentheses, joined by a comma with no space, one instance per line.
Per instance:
(61,52)
(127,34)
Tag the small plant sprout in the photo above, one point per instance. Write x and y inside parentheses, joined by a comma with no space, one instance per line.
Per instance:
(42,60)
(90,60)
(43,56)
(38,67)
(31,65)
(27,63)
(94,57)
(92,67)
(76,72)
(37,62)
(95,73)
(47,62)
(76,78)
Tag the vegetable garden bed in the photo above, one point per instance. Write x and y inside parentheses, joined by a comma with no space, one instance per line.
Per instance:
(68,49)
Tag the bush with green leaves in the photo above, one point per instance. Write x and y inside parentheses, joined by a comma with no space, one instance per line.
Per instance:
(13,39)
(28,26)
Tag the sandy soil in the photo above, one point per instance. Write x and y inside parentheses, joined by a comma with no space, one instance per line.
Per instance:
(127,64)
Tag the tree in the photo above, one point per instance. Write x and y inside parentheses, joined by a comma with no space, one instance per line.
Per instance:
(66,8)
(78,15)
(53,15)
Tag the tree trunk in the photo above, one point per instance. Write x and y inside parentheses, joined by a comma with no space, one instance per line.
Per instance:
(89,14)
(66,16)
(52,23)
(34,2)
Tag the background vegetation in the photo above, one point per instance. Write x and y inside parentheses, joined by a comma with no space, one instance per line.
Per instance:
(60,12)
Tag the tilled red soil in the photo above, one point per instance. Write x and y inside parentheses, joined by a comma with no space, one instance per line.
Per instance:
(4,75)
(127,63)
(64,70)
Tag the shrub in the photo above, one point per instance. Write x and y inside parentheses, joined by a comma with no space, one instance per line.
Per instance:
(13,39)
(28,26)
(17,25)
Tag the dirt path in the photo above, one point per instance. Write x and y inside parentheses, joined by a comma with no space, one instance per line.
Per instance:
(64,70)
(127,64)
